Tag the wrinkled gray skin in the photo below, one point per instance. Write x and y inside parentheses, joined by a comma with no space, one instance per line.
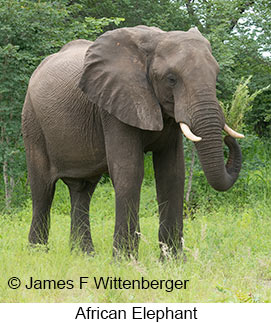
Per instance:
(97,107)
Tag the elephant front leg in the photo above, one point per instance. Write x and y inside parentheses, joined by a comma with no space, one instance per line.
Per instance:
(126,172)
(126,235)
(125,159)
(169,175)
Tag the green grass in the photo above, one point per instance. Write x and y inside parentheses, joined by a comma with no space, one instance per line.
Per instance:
(226,242)
(227,254)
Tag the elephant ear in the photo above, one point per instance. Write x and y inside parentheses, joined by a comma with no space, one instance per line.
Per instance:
(115,76)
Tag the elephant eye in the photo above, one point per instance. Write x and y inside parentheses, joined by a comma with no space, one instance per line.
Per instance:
(172,80)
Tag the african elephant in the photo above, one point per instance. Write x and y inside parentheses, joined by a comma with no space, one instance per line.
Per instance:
(98,107)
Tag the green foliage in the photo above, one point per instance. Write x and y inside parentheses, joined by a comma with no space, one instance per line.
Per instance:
(166,14)
(241,104)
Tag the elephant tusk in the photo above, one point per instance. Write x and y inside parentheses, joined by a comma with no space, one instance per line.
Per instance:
(188,133)
(233,133)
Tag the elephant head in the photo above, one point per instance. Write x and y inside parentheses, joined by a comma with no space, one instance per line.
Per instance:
(140,74)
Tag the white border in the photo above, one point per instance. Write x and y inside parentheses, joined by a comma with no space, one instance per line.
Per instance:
(205,313)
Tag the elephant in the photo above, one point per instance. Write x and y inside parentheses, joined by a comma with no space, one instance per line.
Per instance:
(98,107)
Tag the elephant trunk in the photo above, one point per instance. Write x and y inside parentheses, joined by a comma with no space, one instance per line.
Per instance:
(207,125)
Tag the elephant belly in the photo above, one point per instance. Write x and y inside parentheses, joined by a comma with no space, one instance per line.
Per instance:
(75,144)
(73,156)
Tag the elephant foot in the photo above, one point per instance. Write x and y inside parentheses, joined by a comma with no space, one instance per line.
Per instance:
(124,254)
(37,247)
(125,251)
(88,250)
(126,248)
(38,242)
(84,245)
(38,237)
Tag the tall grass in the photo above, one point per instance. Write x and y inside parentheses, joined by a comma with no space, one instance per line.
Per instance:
(226,242)
(241,104)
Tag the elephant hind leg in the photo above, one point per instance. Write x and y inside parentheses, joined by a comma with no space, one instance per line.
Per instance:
(41,200)
(80,193)
(42,187)
(41,177)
